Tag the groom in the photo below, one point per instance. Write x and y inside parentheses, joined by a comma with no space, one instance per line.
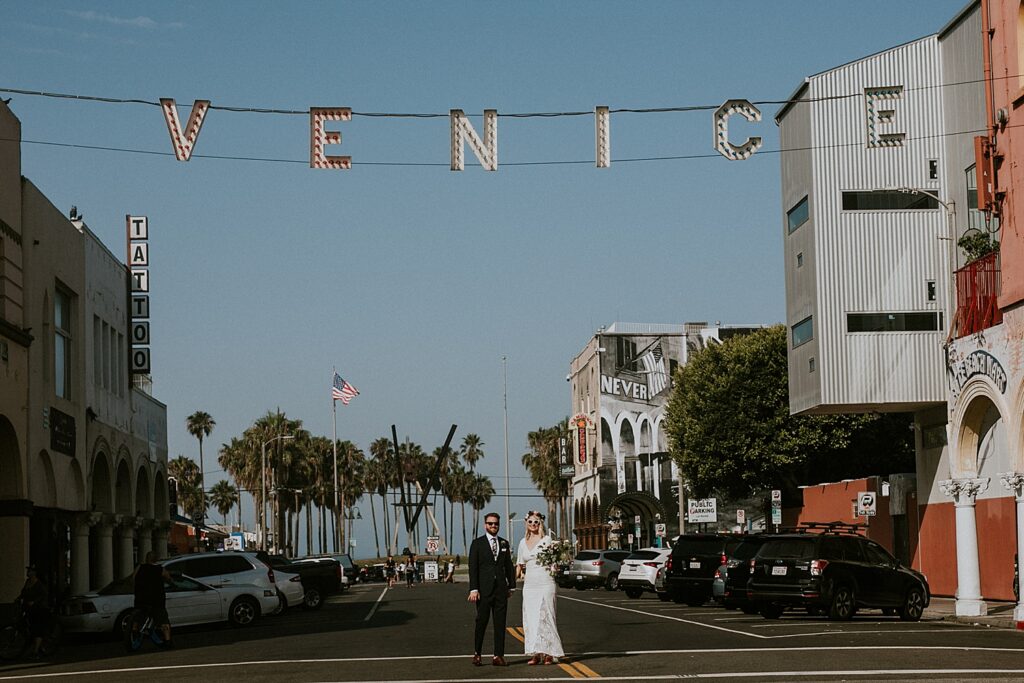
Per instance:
(491,582)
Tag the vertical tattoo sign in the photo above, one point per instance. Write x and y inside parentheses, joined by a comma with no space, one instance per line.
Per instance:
(138,274)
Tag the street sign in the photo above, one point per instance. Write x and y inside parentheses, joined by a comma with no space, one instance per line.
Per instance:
(776,512)
(636,519)
(702,510)
(432,544)
(741,517)
(867,504)
(776,496)
(659,530)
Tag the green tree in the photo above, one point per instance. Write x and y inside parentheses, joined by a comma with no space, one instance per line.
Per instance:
(186,475)
(223,496)
(471,450)
(481,490)
(731,433)
(200,425)
(542,464)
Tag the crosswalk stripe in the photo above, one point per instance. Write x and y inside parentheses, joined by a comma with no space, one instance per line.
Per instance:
(567,668)
(586,670)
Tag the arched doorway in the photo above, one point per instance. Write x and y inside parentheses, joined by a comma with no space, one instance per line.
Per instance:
(15,511)
(983,453)
(624,509)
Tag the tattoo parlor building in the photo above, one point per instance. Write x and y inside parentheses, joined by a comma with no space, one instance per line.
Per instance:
(83,450)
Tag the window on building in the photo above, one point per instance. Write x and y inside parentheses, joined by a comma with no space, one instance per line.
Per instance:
(62,342)
(97,351)
(106,356)
(893,322)
(931,290)
(625,350)
(120,362)
(803,332)
(887,200)
(800,260)
(933,169)
(810,365)
(798,215)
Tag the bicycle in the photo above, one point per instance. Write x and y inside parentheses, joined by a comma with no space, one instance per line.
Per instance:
(135,637)
(16,639)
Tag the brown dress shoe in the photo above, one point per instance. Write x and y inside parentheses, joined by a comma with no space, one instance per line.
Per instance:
(476,660)
(499,661)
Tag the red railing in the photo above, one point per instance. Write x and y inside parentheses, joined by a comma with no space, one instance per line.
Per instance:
(977,288)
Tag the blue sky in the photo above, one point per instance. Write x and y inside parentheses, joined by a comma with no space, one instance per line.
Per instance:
(410,278)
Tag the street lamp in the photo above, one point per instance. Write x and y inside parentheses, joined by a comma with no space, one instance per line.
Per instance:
(352,514)
(263,497)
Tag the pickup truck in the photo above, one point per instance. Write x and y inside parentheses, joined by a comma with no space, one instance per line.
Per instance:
(321,576)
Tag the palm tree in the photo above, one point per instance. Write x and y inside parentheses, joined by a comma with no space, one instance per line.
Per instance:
(190,495)
(199,425)
(471,450)
(383,458)
(223,496)
(481,490)
(542,464)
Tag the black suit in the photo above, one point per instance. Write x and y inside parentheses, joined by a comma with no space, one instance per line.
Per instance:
(492,577)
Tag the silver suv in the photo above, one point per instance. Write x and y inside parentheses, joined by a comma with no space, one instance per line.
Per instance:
(227,569)
(592,568)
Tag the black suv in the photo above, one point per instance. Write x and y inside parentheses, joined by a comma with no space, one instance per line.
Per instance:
(736,571)
(837,573)
(691,567)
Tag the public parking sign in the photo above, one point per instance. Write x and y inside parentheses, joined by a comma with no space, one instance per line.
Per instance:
(867,504)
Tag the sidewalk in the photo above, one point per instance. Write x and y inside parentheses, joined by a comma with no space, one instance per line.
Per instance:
(1000,614)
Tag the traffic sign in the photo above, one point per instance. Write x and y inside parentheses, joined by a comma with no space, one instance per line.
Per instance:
(776,496)
(867,504)
(659,530)
(741,517)
(432,543)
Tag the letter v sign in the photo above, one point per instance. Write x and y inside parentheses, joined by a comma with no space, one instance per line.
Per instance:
(183,142)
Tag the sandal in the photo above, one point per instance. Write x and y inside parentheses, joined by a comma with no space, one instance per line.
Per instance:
(548,659)
(536,659)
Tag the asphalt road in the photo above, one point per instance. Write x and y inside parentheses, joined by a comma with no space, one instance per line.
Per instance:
(426,634)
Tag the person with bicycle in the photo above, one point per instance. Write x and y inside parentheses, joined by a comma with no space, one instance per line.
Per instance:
(33,600)
(151,597)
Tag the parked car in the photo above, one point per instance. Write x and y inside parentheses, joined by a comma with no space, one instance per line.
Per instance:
(350,568)
(660,585)
(834,572)
(188,602)
(228,569)
(592,568)
(638,571)
(321,576)
(691,567)
(735,572)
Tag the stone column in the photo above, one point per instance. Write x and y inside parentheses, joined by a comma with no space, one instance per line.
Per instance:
(80,552)
(104,531)
(125,543)
(968,592)
(1014,483)
(145,539)
(160,538)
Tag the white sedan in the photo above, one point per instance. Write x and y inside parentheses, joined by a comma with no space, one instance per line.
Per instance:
(639,571)
(188,602)
(290,586)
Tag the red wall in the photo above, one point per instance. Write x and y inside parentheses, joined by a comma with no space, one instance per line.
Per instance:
(997,533)
(834,503)
(936,550)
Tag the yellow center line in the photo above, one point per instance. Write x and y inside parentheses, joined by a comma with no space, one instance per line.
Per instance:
(568,668)
(586,670)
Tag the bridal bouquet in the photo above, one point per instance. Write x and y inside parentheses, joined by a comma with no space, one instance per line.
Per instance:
(555,556)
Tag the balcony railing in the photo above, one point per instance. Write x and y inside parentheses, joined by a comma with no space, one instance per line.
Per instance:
(977,291)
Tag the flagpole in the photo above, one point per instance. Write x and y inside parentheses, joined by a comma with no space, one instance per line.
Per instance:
(504,368)
(334,442)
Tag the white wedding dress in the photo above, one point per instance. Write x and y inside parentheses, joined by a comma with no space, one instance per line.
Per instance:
(540,627)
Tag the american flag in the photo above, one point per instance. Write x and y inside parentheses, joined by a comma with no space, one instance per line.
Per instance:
(654,366)
(342,390)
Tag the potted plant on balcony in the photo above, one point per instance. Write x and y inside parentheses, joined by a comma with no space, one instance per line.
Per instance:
(976,244)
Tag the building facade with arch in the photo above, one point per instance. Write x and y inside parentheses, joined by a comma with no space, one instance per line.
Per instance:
(624,483)
(83,452)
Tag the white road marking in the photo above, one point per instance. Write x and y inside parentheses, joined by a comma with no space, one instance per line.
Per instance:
(376,604)
(599,653)
(754,635)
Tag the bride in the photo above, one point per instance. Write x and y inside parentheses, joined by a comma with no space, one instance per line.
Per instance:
(540,627)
